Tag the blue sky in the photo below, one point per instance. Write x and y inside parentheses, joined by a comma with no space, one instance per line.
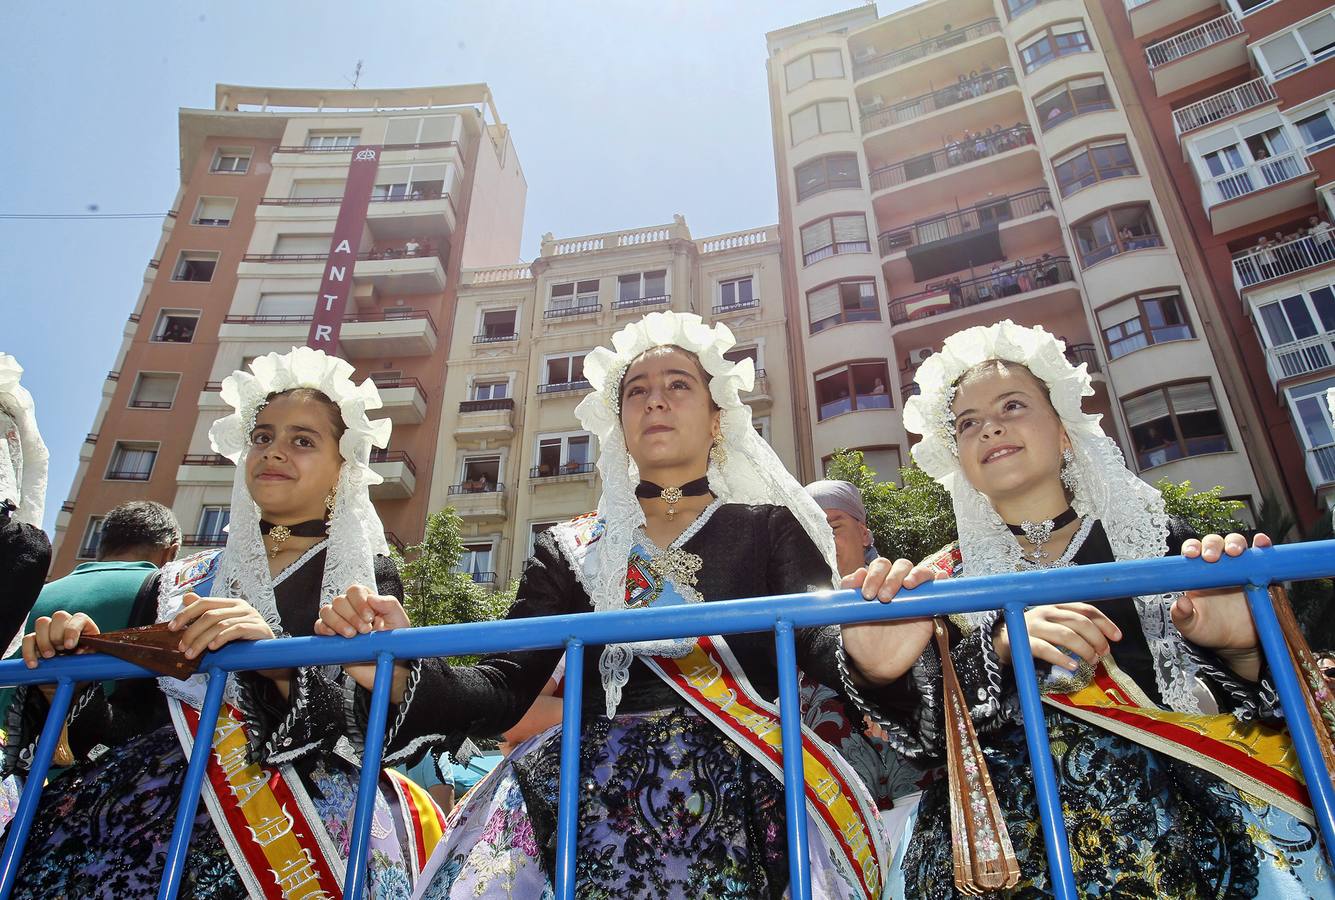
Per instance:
(623,114)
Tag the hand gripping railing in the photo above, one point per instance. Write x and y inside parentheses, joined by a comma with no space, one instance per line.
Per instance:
(1255,569)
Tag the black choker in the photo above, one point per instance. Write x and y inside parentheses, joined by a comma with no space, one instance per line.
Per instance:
(1039,533)
(647,490)
(280,533)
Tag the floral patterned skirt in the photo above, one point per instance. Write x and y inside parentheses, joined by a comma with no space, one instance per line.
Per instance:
(1139,824)
(668,807)
(102,829)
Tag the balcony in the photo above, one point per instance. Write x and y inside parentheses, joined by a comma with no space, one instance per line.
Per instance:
(392,270)
(874,119)
(883,62)
(944,228)
(1231,102)
(1149,16)
(389,333)
(960,153)
(422,214)
(759,396)
(1258,191)
(494,338)
(485,420)
(570,471)
(1196,54)
(1087,354)
(1302,357)
(729,308)
(641,302)
(566,312)
(563,387)
(203,540)
(205,469)
(478,505)
(400,475)
(952,294)
(403,399)
(1321,466)
(1265,263)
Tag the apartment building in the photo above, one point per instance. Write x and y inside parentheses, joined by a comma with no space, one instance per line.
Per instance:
(1239,102)
(965,161)
(236,273)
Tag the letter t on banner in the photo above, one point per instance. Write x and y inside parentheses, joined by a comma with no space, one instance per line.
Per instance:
(337,279)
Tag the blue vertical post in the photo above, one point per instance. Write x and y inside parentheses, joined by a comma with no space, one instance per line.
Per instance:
(567,809)
(32,788)
(794,779)
(354,881)
(1295,713)
(1040,757)
(194,784)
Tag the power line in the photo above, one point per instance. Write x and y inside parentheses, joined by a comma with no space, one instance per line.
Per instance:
(156,215)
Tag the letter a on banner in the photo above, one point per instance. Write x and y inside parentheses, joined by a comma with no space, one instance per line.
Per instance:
(337,278)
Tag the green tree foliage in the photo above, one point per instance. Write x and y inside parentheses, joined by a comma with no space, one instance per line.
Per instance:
(1204,511)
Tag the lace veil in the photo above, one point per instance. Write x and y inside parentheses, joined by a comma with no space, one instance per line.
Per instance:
(23,456)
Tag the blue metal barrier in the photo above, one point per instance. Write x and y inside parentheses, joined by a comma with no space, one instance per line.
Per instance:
(1255,569)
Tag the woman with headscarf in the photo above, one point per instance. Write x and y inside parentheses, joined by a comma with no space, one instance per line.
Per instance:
(1174,776)
(25,551)
(680,781)
(280,783)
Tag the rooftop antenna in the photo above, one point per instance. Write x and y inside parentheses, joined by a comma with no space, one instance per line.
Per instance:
(356,75)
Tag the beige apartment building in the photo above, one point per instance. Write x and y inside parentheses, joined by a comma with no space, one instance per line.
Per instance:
(964,161)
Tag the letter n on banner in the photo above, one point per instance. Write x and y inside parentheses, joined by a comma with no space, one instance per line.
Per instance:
(336,281)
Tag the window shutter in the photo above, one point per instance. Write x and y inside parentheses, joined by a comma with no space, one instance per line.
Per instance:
(834,116)
(850,229)
(804,124)
(1118,313)
(816,235)
(823,303)
(1192,398)
(1145,409)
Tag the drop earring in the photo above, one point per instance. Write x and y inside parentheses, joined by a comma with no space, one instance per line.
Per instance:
(1068,475)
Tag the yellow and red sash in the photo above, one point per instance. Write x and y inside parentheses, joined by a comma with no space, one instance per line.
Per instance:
(1252,757)
(710,679)
(269,825)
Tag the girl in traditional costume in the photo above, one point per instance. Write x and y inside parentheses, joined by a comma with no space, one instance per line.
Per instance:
(680,780)
(25,551)
(282,778)
(1173,777)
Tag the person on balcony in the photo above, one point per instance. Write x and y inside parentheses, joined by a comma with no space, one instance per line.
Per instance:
(1146,698)
(680,793)
(282,777)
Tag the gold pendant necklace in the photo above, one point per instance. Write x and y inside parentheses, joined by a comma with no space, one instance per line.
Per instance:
(672,496)
(278,534)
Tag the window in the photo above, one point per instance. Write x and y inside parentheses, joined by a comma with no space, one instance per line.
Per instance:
(574,295)
(476,562)
(194,265)
(1138,321)
(824,117)
(761,425)
(500,324)
(827,173)
(317,188)
(837,234)
(737,354)
(843,301)
(132,461)
(1304,46)
(1115,231)
(154,390)
(883,461)
(231,160)
(567,369)
(642,286)
(1093,163)
(1070,99)
(1174,422)
(563,454)
(481,474)
(737,292)
(820,64)
(852,387)
(1316,131)
(214,211)
(1298,317)
(1308,402)
(212,521)
(1053,42)
(491,390)
(331,140)
(176,326)
(422,182)
(92,536)
(294,305)
(534,530)
(421,130)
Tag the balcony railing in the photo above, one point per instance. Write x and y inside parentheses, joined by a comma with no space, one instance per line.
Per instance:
(500,403)
(1084,353)
(950,95)
(205,459)
(422,251)
(67,506)
(636,302)
(1321,465)
(563,386)
(398,382)
(944,296)
(393,540)
(384,148)
(950,225)
(953,38)
(1255,571)
(1263,263)
(213,386)
(90,438)
(203,540)
(1192,40)
(958,153)
(560,312)
(1311,354)
(114,375)
(1249,95)
(570,468)
(389,315)
(483,577)
(150,404)
(129,475)
(495,338)
(473,488)
(726,308)
(1255,177)
(394,456)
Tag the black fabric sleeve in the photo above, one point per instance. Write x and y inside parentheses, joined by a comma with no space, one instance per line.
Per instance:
(25,559)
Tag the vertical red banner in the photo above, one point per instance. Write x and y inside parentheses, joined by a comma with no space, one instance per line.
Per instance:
(343,249)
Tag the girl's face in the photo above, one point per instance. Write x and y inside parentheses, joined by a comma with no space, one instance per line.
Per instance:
(667,414)
(1010,438)
(294,461)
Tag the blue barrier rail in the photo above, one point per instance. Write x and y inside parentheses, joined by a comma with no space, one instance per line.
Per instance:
(1254,569)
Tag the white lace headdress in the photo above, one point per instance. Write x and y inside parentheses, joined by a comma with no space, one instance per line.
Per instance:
(1330,404)
(355,532)
(752,472)
(1131,511)
(23,456)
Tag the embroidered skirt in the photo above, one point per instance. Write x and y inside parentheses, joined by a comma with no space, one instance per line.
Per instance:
(668,807)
